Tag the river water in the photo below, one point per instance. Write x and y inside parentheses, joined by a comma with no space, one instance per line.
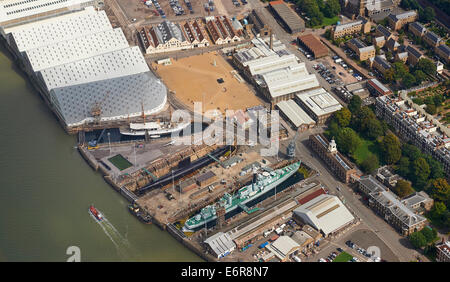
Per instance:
(46,188)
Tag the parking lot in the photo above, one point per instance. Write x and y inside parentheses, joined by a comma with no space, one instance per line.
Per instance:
(335,71)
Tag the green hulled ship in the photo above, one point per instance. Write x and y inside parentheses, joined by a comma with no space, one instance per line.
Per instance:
(264,182)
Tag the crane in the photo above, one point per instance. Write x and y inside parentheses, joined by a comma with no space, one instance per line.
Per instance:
(291,146)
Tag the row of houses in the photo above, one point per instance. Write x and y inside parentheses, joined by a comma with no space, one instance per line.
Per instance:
(432,39)
(360,25)
(169,36)
(416,127)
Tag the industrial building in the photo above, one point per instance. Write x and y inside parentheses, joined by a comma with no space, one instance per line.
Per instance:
(164,37)
(313,45)
(260,27)
(16,12)
(75,49)
(220,244)
(287,17)
(57,29)
(318,104)
(396,212)
(326,213)
(328,152)
(283,248)
(275,72)
(292,112)
(85,69)
(221,30)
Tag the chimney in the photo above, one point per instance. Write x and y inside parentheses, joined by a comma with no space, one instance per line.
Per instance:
(271,39)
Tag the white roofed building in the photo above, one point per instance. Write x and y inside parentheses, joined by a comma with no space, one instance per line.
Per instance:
(118,63)
(220,244)
(53,30)
(75,49)
(298,118)
(16,11)
(318,103)
(326,213)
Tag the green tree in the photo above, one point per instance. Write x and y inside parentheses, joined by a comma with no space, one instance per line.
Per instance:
(389,75)
(426,15)
(332,8)
(347,140)
(438,211)
(420,76)
(411,151)
(427,66)
(429,234)
(431,109)
(417,240)
(403,166)
(361,118)
(370,163)
(421,172)
(343,117)
(439,190)
(400,69)
(408,80)
(373,128)
(403,188)
(438,100)
(437,169)
(355,104)
(391,149)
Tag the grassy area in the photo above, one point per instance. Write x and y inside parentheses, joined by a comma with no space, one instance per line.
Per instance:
(343,257)
(327,22)
(365,149)
(120,162)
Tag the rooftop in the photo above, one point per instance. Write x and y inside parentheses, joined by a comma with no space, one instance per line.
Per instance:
(59,29)
(75,49)
(295,114)
(291,18)
(319,101)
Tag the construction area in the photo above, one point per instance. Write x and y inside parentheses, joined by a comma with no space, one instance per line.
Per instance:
(208,78)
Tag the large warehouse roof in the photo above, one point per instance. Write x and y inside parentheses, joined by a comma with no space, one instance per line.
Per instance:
(291,19)
(58,29)
(319,101)
(15,9)
(118,98)
(274,62)
(76,49)
(325,213)
(294,113)
(105,66)
(314,45)
(284,81)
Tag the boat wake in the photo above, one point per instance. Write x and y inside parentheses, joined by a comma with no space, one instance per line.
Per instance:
(122,244)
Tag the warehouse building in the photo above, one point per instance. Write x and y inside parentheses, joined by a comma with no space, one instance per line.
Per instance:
(292,112)
(49,31)
(260,27)
(75,49)
(164,37)
(313,45)
(109,99)
(16,12)
(318,104)
(206,179)
(326,213)
(283,248)
(220,244)
(186,185)
(275,72)
(114,64)
(287,17)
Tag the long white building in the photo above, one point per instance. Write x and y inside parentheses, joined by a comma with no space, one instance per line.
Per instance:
(20,11)
(75,49)
(39,34)
(85,68)
(105,66)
